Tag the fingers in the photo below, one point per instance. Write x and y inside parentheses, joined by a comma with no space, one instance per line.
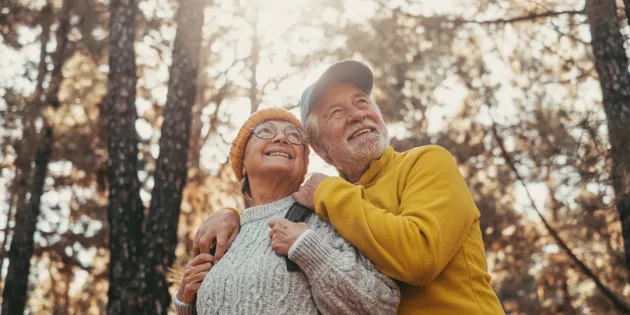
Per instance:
(195,248)
(232,237)
(273,222)
(201,259)
(200,269)
(206,242)
(222,241)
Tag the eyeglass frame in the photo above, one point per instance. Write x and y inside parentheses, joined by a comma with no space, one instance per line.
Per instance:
(301,131)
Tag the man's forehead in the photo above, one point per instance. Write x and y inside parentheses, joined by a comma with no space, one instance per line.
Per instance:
(338,90)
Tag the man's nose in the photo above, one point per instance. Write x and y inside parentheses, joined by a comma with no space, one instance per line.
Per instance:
(356,115)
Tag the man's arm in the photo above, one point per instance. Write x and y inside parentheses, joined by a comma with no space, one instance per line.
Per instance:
(219,231)
(343,281)
(435,215)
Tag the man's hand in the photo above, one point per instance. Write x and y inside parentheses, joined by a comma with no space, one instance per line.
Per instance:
(304,195)
(219,229)
(194,273)
(284,233)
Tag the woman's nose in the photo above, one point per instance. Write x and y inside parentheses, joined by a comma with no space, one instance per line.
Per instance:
(280,137)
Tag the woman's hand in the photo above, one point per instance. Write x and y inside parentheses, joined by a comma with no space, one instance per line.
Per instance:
(284,233)
(194,273)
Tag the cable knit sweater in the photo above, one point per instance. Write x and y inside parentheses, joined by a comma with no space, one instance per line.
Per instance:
(335,278)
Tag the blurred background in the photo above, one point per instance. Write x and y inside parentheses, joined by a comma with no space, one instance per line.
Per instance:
(531,98)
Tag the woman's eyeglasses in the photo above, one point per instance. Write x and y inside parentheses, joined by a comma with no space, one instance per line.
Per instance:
(267,130)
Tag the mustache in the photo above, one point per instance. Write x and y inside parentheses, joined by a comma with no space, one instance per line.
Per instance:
(365,123)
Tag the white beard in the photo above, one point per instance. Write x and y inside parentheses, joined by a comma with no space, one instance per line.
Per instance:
(355,158)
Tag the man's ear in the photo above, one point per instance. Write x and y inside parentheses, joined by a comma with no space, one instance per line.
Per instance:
(321,152)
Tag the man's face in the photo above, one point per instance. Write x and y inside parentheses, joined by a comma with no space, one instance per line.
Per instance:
(351,128)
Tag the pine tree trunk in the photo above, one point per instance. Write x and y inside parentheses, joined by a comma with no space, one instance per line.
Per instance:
(16,284)
(27,207)
(160,239)
(125,211)
(612,66)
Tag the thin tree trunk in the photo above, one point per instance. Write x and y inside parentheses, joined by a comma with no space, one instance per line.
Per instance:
(611,63)
(7,229)
(22,246)
(125,211)
(15,290)
(160,239)
(16,282)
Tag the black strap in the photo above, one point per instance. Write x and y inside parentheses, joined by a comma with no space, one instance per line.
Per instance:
(297,213)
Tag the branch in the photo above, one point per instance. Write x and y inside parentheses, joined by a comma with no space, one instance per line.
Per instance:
(617,302)
(459,21)
(530,17)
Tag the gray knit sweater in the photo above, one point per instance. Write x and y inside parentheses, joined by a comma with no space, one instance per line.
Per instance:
(335,278)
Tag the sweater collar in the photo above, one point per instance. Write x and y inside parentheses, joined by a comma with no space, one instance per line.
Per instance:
(376,166)
(267,210)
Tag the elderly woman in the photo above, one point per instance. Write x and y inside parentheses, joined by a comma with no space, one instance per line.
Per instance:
(270,158)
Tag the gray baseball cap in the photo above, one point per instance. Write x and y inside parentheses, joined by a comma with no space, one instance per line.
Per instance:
(342,71)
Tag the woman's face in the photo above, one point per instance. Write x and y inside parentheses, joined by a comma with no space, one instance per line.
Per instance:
(277,155)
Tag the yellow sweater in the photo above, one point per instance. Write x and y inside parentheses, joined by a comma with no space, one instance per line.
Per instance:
(412,214)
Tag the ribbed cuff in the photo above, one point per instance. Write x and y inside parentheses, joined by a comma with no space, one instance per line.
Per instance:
(297,243)
(182,308)
(312,254)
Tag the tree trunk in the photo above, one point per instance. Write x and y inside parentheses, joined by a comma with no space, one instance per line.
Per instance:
(125,211)
(15,291)
(7,229)
(611,63)
(160,239)
(16,284)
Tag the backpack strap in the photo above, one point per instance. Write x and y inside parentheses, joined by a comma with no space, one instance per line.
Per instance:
(297,213)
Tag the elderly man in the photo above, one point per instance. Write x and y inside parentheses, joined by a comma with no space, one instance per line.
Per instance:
(411,213)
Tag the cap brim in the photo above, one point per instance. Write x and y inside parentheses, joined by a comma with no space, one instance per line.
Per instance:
(344,71)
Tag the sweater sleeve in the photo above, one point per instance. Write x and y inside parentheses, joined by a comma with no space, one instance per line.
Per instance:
(182,308)
(343,281)
(414,243)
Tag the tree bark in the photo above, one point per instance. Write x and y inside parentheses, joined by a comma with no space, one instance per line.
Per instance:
(160,239)
(125,211)
(611,63)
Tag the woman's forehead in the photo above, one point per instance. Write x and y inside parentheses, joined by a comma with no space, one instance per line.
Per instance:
(279,123)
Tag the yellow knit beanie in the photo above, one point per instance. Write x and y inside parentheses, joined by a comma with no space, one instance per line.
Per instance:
(239,143)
